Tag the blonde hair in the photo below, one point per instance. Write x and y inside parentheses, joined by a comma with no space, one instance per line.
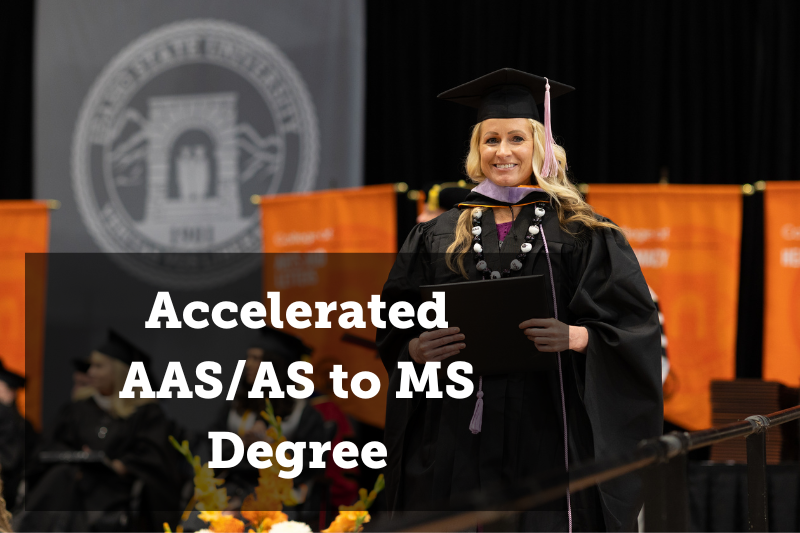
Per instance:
(569,202)
(121,407)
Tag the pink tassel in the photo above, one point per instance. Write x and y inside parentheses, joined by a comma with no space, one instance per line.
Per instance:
(477,416)
(550,164)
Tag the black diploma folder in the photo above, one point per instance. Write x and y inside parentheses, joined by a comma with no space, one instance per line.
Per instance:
(489,313)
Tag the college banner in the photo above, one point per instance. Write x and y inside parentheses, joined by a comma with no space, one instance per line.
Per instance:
(687,239)
(23,229)
(157,121)
(328,246)
(782,283)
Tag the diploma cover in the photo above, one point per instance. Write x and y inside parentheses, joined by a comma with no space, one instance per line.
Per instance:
(489,313)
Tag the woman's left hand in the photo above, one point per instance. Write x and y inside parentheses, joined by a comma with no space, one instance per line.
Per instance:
(551,335)
(119,467)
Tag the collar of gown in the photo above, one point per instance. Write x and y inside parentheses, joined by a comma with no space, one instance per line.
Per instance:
(488,194)
(104,402)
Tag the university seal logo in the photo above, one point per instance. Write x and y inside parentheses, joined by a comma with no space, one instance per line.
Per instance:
(176,134)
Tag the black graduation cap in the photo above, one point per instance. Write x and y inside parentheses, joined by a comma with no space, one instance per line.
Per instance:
(81,365)
(281,344)
(505,93)
(14,381)
(120,348)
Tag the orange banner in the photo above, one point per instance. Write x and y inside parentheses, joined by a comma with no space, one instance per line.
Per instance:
(356,232)
(687,239)
(782,283)
(23,229)
(362,220)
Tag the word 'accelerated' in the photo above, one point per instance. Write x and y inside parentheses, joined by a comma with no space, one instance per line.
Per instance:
(252,314)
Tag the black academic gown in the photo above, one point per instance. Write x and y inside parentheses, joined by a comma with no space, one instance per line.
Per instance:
(612,393)
(139,441)
(16,435)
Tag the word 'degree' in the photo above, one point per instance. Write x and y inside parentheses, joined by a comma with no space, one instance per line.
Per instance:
(259,454)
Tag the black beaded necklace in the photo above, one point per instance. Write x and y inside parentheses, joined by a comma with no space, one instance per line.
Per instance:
(477,247)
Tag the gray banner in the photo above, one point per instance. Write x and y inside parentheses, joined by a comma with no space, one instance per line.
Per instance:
(157,121)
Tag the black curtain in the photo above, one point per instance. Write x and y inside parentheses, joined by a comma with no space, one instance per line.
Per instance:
(16,95)
(705,90)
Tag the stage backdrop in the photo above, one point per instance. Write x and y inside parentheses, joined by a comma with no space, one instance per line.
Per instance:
(782,283)
(334,246)
(156,121)
(687,239)
(23,229)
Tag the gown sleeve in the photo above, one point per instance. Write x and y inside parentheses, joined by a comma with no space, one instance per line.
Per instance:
(409,272)
(621,387)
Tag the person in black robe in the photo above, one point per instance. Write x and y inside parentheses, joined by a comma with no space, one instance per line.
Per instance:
(106,455)
(525,218)
(16,435)
(300,422)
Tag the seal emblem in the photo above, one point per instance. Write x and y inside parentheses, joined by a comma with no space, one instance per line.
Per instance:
(177,133)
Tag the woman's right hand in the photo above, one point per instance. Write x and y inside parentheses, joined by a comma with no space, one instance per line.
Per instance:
(436,345)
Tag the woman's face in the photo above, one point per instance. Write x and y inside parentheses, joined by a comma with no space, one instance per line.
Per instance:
(101,373)
(251,364)
(255,356)
(506,146)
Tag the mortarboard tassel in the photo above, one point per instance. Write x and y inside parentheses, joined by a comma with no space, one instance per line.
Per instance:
(550,164)
(477,417)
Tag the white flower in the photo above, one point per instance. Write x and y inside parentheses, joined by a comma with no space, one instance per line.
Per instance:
(290,527)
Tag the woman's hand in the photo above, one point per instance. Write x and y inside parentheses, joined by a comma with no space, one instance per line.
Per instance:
(436,345)
(550,335)
(119,467)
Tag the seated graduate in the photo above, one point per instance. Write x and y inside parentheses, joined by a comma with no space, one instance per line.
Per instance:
(300,422)
(132,435)
(16,435)
(81,382)
(525,218)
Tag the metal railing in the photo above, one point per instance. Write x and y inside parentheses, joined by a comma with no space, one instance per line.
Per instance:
(664,465)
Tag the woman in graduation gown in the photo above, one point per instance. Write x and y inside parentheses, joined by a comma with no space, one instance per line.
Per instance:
(139,461)
(524,218)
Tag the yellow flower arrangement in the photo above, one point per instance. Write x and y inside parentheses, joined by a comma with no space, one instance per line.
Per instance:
(261,510)
(220,522)
(353,517)
(208,496)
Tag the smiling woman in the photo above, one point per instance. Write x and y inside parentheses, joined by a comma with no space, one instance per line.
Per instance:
(506,150)
(524,218)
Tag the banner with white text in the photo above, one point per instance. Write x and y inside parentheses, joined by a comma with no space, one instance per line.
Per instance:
(782,283)
(687,239)
(353,232)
